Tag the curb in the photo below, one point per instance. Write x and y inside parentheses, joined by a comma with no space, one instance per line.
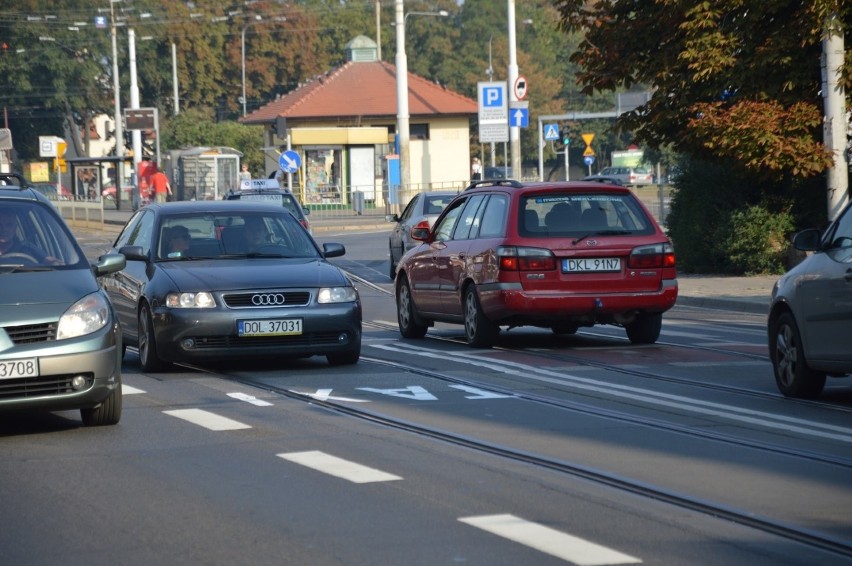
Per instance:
(748,305)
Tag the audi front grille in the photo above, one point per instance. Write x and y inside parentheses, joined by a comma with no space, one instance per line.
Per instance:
(269,299)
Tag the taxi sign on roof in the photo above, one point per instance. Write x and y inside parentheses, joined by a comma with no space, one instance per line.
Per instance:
(259,184)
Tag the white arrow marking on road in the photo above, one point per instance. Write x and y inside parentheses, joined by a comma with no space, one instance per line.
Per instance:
(480,393)
(411,392)
(325,395)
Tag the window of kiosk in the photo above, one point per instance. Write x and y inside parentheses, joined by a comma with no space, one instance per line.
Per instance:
(322,175)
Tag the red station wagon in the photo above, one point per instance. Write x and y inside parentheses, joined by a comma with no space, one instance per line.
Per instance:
(551,255)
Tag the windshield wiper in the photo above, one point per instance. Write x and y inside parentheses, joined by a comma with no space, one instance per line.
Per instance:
(600,233)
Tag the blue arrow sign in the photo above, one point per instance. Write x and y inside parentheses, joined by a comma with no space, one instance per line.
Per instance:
(520,117)
(589,159)
(289,161)
(551,132)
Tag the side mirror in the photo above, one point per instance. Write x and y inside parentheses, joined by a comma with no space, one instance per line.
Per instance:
(109,263)
(392,218)
(807,240)
(333,250)
(420,231)
(134,253)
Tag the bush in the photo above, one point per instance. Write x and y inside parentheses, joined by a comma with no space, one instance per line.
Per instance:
(758,241)
(724,221)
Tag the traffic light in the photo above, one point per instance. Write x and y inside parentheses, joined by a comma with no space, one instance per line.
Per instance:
(565,137)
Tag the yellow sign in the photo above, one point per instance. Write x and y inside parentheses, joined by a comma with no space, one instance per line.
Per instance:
(589,151)
(588,139)
(60,163)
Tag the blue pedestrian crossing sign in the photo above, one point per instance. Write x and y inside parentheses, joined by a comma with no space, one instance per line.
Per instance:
(289,161)
(551,132)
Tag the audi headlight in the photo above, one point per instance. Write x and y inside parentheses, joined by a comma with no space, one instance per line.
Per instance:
(337,295)
(89,314)
(202,300)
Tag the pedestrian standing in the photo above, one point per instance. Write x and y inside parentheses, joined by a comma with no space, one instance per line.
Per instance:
(162,187)
(475,170)
(245,174)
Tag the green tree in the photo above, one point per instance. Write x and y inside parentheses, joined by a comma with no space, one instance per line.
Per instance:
(730,78)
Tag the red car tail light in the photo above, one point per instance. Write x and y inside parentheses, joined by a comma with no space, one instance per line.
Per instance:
(656,255)
(511,258)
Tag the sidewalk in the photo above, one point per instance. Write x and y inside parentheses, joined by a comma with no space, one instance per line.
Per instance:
(743,294)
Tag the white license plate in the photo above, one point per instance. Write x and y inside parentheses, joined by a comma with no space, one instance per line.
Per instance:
(591,264)
(273,327)
(11,369)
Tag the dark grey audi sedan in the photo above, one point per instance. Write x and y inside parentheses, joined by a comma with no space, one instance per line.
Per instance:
(220,280)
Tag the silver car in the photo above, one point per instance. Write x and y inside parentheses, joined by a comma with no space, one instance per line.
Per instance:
(810,320)
(627,176)
(424,206)
(60,347)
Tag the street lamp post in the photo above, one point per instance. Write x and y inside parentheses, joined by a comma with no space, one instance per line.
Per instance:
(402,117)
(258,20)
(119,133)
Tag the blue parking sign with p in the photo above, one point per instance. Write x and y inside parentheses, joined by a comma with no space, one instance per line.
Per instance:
(492,96)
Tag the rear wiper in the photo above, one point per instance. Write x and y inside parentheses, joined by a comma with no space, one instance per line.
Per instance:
(600,233)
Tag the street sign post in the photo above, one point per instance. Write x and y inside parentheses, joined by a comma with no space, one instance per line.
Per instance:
(493,112)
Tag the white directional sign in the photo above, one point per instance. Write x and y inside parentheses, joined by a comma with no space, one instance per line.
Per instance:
(493,112)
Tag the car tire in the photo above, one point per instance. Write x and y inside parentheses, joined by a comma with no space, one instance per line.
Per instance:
(406,313)
(793,376)
(564,328)
(480,332)
(645,328)
(148,357)
(108,412)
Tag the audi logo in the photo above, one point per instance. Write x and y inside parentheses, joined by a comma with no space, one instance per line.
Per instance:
(268,300)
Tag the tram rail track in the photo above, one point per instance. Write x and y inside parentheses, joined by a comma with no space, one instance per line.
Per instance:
(788,531)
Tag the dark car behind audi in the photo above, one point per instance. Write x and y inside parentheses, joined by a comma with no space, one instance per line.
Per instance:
(220,280)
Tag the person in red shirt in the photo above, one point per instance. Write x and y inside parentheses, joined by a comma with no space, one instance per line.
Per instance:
(162,188)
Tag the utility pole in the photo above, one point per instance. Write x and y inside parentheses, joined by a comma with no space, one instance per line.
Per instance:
(514,131)
(118,130)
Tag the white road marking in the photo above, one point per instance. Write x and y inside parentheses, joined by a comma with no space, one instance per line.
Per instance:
(338,467)
(325,395)
(411,392)
(250,399)
(678,402)
(548,540)
(128,390)
(207,419)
